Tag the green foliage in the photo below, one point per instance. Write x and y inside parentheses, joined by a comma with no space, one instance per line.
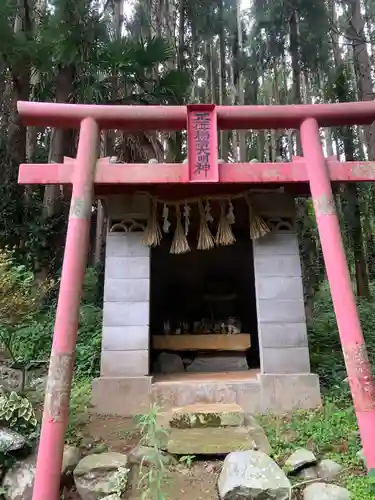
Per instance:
(80,398)
(33,341)
(271,30)
(150,481)
(187,460)
(326,354)
(67,39)
(20,297)
(17,413)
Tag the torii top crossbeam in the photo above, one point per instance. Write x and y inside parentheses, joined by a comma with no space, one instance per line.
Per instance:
(175,117)
(202,123)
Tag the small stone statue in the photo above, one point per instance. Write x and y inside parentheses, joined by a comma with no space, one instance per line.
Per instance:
(233,326)
(167,327)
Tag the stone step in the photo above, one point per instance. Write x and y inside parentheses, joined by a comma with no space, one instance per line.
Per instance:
(200,415)
(206,429)
(176,394)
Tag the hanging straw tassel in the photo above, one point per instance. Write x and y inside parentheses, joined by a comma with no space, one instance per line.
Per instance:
(258,226)
(166,223)
(152,235)
(187,211)
(205,238)
(180,243)
(207,211)
(224,235)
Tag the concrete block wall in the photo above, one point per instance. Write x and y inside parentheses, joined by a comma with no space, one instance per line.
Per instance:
(125,338)
(282,332)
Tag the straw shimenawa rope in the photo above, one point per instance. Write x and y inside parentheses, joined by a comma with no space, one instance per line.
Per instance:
(205,239)
(180,243)
(224,235)
(152,235)
(258,227)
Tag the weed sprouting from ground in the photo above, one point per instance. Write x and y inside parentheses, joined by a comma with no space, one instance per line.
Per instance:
(152,436)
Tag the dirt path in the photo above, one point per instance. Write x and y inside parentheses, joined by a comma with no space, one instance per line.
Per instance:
(180,482)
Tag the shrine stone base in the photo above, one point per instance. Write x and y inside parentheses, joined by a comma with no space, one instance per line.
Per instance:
(255,393)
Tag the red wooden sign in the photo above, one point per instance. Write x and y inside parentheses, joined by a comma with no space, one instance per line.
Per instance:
(202,143)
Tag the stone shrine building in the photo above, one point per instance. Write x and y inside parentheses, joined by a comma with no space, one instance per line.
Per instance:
(221,324)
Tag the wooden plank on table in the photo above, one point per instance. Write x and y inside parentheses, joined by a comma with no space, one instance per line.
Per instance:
(203,342)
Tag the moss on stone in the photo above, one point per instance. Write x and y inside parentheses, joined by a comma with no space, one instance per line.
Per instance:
(195,420)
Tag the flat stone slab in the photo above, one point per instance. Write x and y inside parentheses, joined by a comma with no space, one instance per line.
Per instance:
(210,429)
(203,416)
(216,441)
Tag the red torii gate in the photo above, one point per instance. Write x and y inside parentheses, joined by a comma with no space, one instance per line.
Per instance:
(202,123)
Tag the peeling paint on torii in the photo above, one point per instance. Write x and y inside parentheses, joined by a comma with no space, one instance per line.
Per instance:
(86,171)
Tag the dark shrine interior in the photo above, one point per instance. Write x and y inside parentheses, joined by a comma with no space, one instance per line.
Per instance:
(181,283)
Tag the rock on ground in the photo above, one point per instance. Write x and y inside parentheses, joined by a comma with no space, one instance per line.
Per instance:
(169,363)
(10,440)
(112,497)
(361,456)
(95,474)
(328,469)
(210,429)
(308,474)
(19,480)
(299,459)
(252,474)
(71,458)
(322,491)
(202,364)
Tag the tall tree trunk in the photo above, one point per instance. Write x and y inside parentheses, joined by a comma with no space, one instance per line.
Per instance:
(60,140)
(20,74)
(181,67)
(213,72)
(194,55)
(356,34)
(351,208)
(240,83)
(296,70)
(222,80)
(208,97)
(109,136)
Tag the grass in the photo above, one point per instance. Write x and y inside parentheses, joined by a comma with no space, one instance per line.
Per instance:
(80,400)
(329,432)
